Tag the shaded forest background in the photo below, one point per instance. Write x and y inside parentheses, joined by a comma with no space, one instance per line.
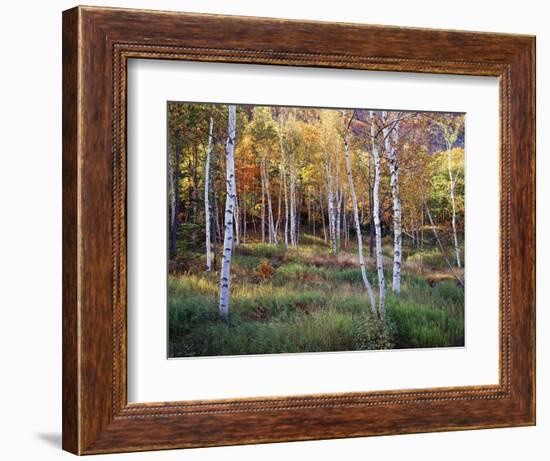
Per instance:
(304,230)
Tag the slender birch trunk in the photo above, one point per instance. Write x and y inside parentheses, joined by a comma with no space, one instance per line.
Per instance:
(207,218)
(338,215)
(263,199)
(391,135)
(279,200)
(283,166)
(397,215)
(376,213)
(330,200)
(366,282)
(270,220)
(292,200)
(345,227)
(452,184)
(331,221)
(371,209)
(231,195)
(270,211)
(287,211)
(323,218)
(337,198)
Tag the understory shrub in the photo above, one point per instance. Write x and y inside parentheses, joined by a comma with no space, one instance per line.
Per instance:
(264,270)
(374,333)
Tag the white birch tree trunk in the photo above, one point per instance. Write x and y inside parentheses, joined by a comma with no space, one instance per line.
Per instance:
(358,230)
(338,214)
(331,218)
(279,204)
(376,213)
(225,273)
(283,166)
(337,198)
(330,200)
(270,220)
(262,221)
(452,184)
(292,200)
(391,135)
(287,211)
(345,228)
(207,217)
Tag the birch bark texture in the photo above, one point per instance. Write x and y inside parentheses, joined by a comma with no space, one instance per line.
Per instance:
(265,180)
(292,177)
(357,222)
(225,273)
(330,196)
(376,216)
(283,167)
(207,214)
(390,132)
(452,187)
(337,195)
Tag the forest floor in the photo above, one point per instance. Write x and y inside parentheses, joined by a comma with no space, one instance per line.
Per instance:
(305,299)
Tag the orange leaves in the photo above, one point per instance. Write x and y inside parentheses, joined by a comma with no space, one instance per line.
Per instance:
(264,271)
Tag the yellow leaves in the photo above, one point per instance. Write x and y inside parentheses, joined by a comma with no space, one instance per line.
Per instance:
(457,159)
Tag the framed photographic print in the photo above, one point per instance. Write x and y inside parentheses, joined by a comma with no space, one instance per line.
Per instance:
(284,230)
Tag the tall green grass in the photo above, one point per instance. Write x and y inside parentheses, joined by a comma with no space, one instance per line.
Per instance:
(305,307)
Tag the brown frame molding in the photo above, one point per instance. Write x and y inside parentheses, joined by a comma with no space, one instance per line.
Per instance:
(97,43)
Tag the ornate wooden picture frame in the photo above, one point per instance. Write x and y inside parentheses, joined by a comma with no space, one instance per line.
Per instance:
(97,44)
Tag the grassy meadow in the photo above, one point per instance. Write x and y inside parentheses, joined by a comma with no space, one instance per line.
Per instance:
(305,299)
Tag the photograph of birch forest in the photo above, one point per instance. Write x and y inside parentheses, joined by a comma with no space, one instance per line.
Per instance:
(295,229)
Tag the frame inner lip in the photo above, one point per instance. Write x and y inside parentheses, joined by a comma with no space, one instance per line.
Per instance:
(127,50)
